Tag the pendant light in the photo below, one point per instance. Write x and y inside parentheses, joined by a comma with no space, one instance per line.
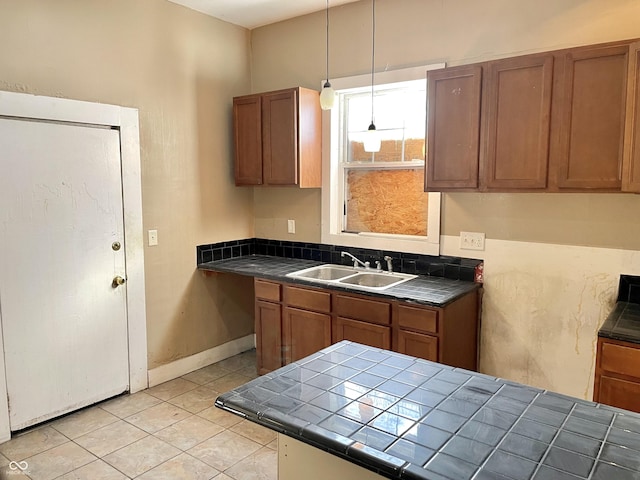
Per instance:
(327,96)
(372,138)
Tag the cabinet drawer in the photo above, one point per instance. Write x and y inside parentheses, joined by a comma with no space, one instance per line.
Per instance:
(307,299)
(419,319)
(267,290)
(620,393)
(361,309)
(620,359)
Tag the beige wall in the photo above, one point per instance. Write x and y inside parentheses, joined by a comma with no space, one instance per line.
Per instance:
(181,70)
(546,295)
(415,32)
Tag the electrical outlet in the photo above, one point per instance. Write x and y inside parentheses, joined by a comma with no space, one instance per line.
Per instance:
(291,226)
(471,241)
(153,238)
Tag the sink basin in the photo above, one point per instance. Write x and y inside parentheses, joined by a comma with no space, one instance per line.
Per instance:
(376,280)
(330,274)
(324,272)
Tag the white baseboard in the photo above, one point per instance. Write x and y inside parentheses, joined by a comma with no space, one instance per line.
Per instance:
(176,369)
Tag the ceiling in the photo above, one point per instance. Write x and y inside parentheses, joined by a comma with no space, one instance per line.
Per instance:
(255,13)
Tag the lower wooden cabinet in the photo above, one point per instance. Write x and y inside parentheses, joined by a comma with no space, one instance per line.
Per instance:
(617,379)
(294,321)
(418,345)
(268,323)
(304,333)
(363,332)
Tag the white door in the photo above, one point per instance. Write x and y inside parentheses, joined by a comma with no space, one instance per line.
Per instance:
(64,325)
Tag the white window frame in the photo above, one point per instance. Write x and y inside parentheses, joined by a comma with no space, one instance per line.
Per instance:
(332,185)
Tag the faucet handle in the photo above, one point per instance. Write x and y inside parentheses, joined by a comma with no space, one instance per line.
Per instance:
(389,261)
(378,265)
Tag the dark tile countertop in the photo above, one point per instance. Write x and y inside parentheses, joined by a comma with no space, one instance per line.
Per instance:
(408,418)
(434,291)
(623,323)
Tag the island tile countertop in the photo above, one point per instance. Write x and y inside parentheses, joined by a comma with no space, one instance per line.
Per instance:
(434,291)
(408,418)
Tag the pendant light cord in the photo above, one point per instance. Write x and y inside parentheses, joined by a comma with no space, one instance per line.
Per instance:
(327,40)
(373,49)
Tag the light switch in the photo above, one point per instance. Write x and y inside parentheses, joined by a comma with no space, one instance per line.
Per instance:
(153,238)
(291,226)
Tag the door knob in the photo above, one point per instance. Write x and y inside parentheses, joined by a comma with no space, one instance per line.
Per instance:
(117,281)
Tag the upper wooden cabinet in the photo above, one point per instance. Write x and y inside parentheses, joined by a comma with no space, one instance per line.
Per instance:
(247,135)
(589,110)
(277,137)
(516,118)
(631,162)
(564,121)
(453,126)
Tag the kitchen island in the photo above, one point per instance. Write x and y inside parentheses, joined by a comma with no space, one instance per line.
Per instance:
(390,415)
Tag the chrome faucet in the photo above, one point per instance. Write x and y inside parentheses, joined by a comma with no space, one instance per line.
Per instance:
(355,260)
(389,264)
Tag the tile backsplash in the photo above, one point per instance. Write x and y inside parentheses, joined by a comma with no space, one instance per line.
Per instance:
(454,268)
(629,289)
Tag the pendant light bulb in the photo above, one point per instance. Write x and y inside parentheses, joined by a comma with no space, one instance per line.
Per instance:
(372,139)
(327,96)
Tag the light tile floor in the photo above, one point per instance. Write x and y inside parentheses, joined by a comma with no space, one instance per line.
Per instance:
(168,432)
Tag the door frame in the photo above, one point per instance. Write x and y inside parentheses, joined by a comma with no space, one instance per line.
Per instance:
(125,120)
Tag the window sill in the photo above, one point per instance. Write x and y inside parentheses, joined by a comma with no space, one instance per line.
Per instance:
(381,241)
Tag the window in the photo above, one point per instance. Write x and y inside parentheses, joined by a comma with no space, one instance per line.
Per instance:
(377,200)
(383,192)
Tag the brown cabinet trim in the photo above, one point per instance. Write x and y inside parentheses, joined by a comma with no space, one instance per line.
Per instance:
(631,161)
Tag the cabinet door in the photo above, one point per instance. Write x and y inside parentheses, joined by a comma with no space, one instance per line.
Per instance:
(453,128)
(590,105)
(268,322)
(619,393)
(516,117)
(304,333)
(280,137)
(247,136)
(363,332)
(418,345)
(631,161)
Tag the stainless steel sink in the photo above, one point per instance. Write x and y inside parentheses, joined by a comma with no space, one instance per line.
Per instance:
(376,280)
(356,278)
(324,272)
